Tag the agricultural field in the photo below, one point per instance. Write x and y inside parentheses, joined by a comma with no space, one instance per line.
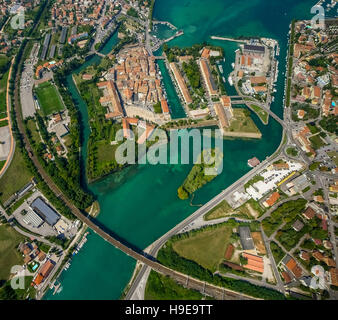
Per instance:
(9,256)
(49,98)
(206,247)
(16,177)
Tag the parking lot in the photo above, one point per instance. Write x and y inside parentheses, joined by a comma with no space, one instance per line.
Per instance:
(26,84)
(5,142)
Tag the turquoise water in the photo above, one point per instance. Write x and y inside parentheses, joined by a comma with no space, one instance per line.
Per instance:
(162,31)
(140,203)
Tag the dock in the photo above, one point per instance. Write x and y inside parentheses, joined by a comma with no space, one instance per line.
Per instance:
(229,39)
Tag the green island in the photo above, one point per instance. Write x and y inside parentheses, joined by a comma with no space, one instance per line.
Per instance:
(201,173)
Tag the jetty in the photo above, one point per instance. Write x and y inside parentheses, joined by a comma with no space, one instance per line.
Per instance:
(229,39)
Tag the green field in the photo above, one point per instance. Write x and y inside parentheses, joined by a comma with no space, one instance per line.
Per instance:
(263,115)
(16,177)
(31,125)
(49,98)
(106,152)
(317,142)
(207,247)
(242,122)
(2,163)
(160,287)
(9,256)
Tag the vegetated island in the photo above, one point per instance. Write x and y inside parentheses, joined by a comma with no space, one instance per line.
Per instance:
(204,170)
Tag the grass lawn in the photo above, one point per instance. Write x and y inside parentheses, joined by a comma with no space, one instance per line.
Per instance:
(242,123)
(2,163)
(4,123)
(313,128)
(29,290)
(249,209)
(3,89)
(16,177)
(49,98)
(292,152)
(9,256)
(31,125)
(317,142)
(207,247)
(263,115)
(277,252)
(160,287)
(106,152)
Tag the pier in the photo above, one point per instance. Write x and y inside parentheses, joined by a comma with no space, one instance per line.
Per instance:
(229,39)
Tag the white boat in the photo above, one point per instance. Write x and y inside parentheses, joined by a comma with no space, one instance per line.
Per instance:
(230,81)
(233,66)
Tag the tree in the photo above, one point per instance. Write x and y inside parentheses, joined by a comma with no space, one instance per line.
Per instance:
(243,260)
(8,293)
(182,193)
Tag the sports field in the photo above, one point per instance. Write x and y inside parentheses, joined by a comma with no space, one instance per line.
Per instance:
(49,98)
(207,247)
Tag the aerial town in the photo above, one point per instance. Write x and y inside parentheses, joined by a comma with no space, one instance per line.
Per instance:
(78,72)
